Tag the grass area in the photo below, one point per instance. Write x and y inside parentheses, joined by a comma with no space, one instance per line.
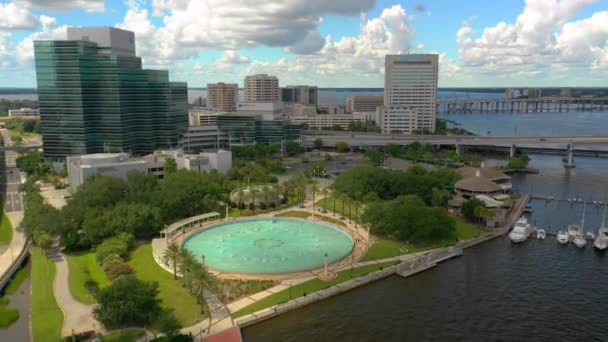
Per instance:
(294,213)
(171,292)
(466,231)
(309,287)
(329,206)
(84,274)
(8,316)
(230,290)
(47,318)
(124,335)
(330,220)
(385,248)
(17,280)
(6,230)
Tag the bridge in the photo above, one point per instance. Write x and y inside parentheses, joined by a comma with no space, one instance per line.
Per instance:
(539,104)
(552,144)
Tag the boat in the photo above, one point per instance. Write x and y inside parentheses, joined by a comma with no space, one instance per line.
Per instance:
(573,230)
(541,234)
(562,237)
(521,231)
(580,240)
(550,198)
(601,240)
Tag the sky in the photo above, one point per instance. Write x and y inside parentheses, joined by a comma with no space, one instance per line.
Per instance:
(330,43)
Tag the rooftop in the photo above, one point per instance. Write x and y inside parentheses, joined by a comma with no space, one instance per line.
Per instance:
(486,172)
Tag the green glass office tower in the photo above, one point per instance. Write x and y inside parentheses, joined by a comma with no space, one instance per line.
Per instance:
(95,97)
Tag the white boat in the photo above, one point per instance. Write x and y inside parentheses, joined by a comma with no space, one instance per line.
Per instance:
(541,234)
(601,240)
(521,231)
(562,237)
(573,231)
(580,240)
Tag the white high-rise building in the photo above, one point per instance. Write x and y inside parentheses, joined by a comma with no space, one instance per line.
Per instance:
(262,88)
(410,93)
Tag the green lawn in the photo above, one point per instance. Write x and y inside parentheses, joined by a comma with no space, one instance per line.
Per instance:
(173,295)
(83,269)
(309,287)
(6,230)
(384,248)
(294,213)
(17,280)
(466,231)
(47,317)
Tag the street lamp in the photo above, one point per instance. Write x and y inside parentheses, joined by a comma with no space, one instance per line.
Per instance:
(325,264)
(203,257)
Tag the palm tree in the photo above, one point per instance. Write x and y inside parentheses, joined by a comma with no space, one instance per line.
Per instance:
(171,256)
(185,265)
(325,191)
(241,195)
(334,196)
(315,190)
(253,192)
(302,192)
(266,192)
(201,280)
(246,199)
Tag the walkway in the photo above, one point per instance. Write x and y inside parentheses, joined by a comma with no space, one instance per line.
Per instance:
(15,248)
(218,321)
(77,317)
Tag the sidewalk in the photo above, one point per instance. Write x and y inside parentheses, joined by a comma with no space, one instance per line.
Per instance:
(16,246)
(77,317)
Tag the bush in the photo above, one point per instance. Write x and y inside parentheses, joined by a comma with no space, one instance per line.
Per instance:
(118,245)
(115,268)
(8,316)
(109,258)
(128,302)
(175,338)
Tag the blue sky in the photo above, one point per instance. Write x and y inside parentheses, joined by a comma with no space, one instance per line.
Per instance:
(331,43)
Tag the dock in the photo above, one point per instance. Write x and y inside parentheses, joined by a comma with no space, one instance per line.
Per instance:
(572,201)
(430,260)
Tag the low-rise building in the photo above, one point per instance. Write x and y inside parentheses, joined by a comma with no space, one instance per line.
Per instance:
(332,108)
(80,168)
(364,103)
(325,121)
(23,112)
(268,110)
(204,137)
(299,110)
(366,116)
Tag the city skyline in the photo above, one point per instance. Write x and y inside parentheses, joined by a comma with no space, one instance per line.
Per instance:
(531,43)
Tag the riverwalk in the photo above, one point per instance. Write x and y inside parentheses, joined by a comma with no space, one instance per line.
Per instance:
(16,251)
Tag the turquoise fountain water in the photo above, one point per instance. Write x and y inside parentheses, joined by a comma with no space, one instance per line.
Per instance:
(269,245)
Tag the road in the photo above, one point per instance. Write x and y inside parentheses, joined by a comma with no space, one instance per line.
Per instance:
(330,138)
(10,177)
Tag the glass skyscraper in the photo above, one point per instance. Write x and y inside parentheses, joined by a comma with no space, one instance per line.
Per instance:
(94,96)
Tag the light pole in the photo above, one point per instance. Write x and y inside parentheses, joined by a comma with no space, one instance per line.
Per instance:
(325,264)
(203,257)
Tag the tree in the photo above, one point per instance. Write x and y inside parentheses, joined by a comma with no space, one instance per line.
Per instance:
(342,147)
(318,169)
(128,301)
(185,264)
(44,242)
(317,143)
(469,208)
(440,197)
(171,256)
(32,163)
(315,190)
(408,218)
(375,156)
(518,162)
(170,165)
(266,192)
(201,280)
(293,148)
(325,192)
(240,195)
(141,220)
(141,186)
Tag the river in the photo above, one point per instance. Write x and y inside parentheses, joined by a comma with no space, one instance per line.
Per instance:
(496,291)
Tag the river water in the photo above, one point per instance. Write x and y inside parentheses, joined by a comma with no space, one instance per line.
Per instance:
(497,291)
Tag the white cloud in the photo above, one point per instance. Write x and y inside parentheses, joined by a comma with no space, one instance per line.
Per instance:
(16,17)
(64,5)
(192,25)
(543,38)
(234,57)
(50,31)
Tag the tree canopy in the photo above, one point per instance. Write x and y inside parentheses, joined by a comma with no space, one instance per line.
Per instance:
(408,218)
(388,184)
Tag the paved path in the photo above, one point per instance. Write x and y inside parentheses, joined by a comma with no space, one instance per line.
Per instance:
(17,244)
(77,316)
(218,321)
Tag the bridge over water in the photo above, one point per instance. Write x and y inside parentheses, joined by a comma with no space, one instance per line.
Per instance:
(594,145)
(539,104)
